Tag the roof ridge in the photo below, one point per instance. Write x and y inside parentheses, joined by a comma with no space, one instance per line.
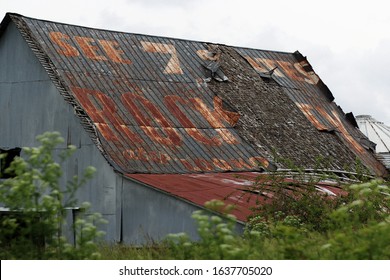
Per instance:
(11,14)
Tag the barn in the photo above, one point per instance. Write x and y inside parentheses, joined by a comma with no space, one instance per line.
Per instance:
(168,123)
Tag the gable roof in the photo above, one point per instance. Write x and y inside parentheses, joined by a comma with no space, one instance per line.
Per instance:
(163,105)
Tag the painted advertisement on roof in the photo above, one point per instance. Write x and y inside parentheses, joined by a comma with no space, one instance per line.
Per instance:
(311,96)
(148,99)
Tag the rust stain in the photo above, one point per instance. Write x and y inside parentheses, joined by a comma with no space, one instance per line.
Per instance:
(107,114)
(213,118)
(89,47)
(212,54)
(307,110)
(107,132)
(290,70)
(256,161)
(172,137)
(295,71)
(103,112)
(197,135)
(171,102)
(232,187)
(241,164)
(133,103)
(203,164)
(310,77)
(189,166)
(231,117)
(141,154)
(62,40)
(145,122)
(173,65)
(113,51)
(221,164)
(335,120)
(263,65)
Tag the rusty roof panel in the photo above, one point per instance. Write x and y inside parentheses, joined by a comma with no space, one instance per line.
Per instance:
(145,99)
(294,73)
(233,188)
(152,105)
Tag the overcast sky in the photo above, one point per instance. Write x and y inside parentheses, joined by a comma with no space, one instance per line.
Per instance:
(346,42)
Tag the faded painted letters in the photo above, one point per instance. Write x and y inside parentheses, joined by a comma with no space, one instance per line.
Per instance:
(157,127)
(91,48)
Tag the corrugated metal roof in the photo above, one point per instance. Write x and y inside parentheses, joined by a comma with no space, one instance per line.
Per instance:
(151,104)
(379,133)
(376,131)
(293,72)
(233,188)
(144,98)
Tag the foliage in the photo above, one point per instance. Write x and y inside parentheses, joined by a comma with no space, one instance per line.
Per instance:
(37,204)
(218,238)
(357,228)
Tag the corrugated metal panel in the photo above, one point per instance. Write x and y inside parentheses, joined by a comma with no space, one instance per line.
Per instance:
(144,98)
(376,131)
(147,106)
(294,73)
(233,188)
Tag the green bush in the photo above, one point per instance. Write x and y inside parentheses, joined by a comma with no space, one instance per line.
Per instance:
(33,227)
(356,227)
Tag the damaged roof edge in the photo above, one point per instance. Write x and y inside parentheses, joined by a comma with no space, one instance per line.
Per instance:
(308,68)
(7,19)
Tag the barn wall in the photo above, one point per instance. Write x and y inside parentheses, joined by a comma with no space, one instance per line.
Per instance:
(149,215)
(31,105)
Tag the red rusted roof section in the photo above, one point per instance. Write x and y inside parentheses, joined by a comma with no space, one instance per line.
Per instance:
(152,104)
(237,189)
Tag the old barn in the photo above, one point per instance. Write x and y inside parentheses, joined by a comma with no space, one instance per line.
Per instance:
(168,123)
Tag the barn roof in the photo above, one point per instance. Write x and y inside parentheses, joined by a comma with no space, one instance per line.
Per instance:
(193,119)
(169,106)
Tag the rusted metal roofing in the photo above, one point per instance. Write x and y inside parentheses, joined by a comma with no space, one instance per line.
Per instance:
(236,189)
(142,98)
(162,105)
(296,76)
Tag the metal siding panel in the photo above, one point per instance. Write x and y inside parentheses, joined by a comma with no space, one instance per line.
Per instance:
(155,217)
(43,109)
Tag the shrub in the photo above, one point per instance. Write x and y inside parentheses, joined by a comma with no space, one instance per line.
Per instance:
(37,207)
(356,228)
